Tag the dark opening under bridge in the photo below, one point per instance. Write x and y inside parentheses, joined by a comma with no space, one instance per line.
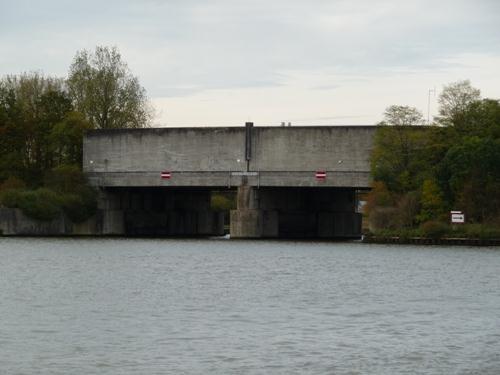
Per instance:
(290,181)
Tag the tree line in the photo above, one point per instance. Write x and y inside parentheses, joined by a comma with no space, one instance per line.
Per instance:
(420,173)
(42,123)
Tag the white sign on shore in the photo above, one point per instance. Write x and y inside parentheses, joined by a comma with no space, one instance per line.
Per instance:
(457,217)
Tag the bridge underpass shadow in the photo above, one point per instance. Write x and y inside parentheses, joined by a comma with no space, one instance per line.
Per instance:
(247,212)
(162,212)
(296,212)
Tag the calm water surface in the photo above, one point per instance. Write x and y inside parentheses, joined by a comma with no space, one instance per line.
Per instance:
(121,306)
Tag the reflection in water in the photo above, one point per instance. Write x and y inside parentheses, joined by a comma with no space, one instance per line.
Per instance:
(121,306)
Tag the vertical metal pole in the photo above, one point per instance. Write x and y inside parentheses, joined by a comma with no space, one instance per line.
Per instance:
(248,143)
(429,105)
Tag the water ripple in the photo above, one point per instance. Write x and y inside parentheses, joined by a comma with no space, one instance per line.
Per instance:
(117,306)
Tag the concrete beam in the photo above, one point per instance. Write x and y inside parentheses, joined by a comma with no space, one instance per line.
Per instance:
(216,157)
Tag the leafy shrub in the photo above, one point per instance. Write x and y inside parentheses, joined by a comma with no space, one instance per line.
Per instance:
(481,231)
(65,178)
(45,204)
(77,200)
(12,183)
(81,206)
(9,198)
(434,229)
(383,218)
(407,209)
(223,202)
(379,196)
(403,233)
(41,204)
(431,202)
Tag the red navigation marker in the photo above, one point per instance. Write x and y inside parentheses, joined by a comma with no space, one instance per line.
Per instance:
(320,175)
(165,175)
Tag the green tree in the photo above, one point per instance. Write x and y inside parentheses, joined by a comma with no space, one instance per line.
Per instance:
(12,134)
(54,105)
(41,149)
(454,100)
(470,174)
(105,91)
(400,156)
(400,115)
(429,170)
(30,105)
(66,139)
(481,118)
(75,198)
(432,205)
(396,144)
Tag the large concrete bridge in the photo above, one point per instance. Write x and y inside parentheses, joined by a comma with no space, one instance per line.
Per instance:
(290,181)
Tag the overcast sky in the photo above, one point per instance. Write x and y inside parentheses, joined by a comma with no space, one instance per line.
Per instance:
(224,62)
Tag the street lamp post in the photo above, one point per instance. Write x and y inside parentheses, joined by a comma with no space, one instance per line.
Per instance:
(429,105)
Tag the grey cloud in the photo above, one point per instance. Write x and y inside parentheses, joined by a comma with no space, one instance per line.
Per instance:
(178,48)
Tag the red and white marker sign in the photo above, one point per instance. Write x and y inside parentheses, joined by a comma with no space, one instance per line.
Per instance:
(165,175)
(320,175)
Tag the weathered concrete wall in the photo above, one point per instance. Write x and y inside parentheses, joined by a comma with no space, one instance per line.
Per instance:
(155,150)
(329,148)
(281,156)
(14,223)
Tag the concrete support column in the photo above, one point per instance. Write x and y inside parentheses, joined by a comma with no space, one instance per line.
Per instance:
(110,217)
(250,219)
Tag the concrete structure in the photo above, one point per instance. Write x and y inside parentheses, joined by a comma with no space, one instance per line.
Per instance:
(13,222)
(273,168)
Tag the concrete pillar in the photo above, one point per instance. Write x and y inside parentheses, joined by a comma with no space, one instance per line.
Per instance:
(110,216)
(250,219)
(108,200)
(113,222)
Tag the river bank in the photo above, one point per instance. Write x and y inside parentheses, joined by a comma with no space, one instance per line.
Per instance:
(14,223)
(431,241)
